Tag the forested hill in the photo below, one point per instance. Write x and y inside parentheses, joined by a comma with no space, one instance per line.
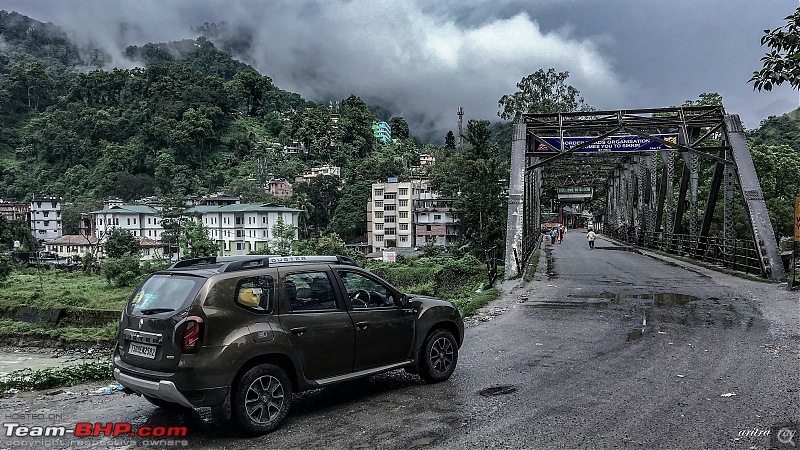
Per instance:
(191,120)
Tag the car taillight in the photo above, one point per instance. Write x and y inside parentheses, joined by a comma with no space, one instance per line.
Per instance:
(192,335)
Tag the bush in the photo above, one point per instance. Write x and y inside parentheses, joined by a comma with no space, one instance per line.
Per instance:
(124,271)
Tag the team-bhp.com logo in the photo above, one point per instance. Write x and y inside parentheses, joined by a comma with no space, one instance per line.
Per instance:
(87,429)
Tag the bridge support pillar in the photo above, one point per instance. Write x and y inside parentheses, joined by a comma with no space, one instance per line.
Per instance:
(516,203)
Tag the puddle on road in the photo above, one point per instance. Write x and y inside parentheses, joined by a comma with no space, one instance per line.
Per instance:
(661,299)
(17,360)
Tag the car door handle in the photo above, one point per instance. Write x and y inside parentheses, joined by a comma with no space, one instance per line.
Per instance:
(362,325)
(298,330)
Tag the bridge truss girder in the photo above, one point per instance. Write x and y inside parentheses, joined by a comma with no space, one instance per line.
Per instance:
(640,185)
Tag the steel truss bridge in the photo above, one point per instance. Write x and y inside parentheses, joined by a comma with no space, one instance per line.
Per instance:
(649,164)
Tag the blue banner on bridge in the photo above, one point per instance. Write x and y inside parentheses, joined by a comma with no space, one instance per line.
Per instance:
(632,143)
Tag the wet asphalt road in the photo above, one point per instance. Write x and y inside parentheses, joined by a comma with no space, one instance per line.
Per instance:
(605,348)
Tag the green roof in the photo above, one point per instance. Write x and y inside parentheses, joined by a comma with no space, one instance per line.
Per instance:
(242,207)
(128,209)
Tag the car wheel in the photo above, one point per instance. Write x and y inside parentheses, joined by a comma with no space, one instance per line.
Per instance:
(165,405)
(439,357)
(262,399)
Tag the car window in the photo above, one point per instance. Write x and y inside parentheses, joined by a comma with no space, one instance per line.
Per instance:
(255,293)
(311,291)
(364,292)
(164,293)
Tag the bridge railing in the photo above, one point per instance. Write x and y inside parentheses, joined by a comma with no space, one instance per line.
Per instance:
(735,254)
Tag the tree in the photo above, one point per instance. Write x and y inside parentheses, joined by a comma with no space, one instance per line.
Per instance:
(541,92)
(782,63)
(450,140)
(282,237)
(121,242)
(194,241)
(16,230)
(399,128)
(473,178)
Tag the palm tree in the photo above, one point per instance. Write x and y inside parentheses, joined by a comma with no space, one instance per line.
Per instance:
(301,201)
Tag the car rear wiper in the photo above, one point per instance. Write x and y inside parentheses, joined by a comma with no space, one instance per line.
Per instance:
(149,311)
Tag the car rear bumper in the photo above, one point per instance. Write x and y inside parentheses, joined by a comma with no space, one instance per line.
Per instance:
(165,390)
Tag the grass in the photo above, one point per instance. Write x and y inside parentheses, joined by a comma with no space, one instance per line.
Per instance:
(19,329)
(94,369)
(58,289)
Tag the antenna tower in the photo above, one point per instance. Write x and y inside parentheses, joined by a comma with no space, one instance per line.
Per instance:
(460,121)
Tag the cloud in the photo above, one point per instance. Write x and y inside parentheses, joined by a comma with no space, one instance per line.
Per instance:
(423,59)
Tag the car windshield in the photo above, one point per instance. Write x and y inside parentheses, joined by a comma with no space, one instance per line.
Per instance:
(164,293)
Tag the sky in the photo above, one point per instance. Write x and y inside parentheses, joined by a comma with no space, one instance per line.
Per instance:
(423,59)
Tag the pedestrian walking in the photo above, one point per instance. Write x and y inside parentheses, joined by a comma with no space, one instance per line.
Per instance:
(590,236)
(553,235)
(560,234)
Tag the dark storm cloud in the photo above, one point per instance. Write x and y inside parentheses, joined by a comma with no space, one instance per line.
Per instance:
(424,59)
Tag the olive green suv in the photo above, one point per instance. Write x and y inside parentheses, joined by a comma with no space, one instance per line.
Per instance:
(242,334)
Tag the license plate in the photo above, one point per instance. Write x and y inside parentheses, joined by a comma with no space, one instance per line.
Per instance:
(143,350)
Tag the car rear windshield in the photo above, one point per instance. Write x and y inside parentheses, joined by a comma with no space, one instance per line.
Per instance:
(164,293)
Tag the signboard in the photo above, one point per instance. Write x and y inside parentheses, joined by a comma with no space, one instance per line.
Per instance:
(575,193)
(611,144)
(389,256)
(797,219)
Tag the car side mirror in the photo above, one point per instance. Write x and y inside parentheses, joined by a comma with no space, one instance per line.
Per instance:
(404,300)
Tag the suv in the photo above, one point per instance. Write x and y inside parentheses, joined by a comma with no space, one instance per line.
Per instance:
(242,334)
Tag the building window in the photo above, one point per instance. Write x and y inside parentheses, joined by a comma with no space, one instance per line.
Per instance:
(379,203)
(402,203)
(403,238)
(378,214)
(129,220)
(46,213)
(239,233)
(404,214)
(404,226)
(240,246)
(378,226)
(54,204)
(390,196)
(379,238)
(378,192)
(390,207)
(402,191)
(390,231)
(437,217)
(390,219)
(239,220)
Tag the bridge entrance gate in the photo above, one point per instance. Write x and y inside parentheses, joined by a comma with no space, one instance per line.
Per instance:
(652,165)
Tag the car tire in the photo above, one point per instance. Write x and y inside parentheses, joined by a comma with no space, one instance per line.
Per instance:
(165,405)
(261,399)
(439,356)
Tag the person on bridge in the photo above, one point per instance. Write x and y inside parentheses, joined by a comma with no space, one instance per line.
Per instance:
(591,236)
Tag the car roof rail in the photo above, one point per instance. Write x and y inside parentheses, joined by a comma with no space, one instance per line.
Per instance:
(244,262)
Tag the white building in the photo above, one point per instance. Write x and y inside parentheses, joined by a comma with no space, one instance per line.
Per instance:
(244,228)
(141,220)
(45,218)
(389,218)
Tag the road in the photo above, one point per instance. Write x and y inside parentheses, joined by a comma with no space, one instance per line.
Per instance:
(605,348)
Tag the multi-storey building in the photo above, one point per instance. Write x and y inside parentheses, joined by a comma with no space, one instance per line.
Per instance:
(409,214)
(72,245)
(243,228)
(11,209)
(389,215)
(435,222)
(382,131)
(141,220)
(45,218)
(314,172)
(280,188)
